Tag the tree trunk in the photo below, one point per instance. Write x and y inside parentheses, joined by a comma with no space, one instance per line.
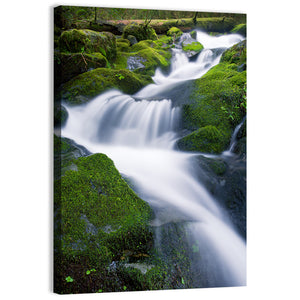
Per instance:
(95,20)
(195,18)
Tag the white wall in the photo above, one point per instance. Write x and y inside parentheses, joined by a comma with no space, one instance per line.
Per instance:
(273,164)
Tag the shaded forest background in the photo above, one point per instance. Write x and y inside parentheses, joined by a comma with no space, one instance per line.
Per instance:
(68,16)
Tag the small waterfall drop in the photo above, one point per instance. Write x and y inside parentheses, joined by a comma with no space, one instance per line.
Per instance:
(139,136)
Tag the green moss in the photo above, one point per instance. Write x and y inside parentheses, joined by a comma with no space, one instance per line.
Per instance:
(150,53)
(209,24)
(215,24)
(174,32)
(155,59)
(97,215)
(236,54)
(193,34)
(120,40)
(88,41)
(164,42)
(194,46)
(65,152)
(142,45)
(90,84)
(217,99)
(140,31)
(240,29)
(121,60)
(207,139)
(69,65)
(213,164)
(122,46)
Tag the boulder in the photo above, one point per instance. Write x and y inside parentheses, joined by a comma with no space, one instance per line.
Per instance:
(217,104)
(88,41)
(237,55)
(97,218)
(140,32)
(88,85)
(145,57)
(175,33)
(192,49)
(206,139)
(69,65)
(132,39)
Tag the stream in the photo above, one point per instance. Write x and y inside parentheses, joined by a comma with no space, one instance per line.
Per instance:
(139,133)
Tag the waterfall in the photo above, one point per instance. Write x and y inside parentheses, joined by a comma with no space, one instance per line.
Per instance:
(139,136)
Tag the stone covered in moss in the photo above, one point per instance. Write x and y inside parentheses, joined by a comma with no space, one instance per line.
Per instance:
(88,41)
(69,65)
(140,31)
(206,139)
(215,24)
(193,34)
(122,45)
(217,99)
(85,86)
(192,48)
(151,54)
(97,216)
(65,151)
(174,32)
(237,54)
(164,42)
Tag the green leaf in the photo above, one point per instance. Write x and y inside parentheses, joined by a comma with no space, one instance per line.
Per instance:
(88,272)
(69,279)
(182,280)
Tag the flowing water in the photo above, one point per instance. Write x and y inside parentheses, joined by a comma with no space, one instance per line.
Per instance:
(139,136)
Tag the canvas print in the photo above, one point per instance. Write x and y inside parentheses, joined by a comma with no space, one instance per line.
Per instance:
(149,149)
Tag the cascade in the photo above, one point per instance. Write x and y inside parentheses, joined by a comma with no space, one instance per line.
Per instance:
(139,136)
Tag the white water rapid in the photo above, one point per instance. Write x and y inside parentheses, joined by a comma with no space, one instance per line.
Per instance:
(139,136)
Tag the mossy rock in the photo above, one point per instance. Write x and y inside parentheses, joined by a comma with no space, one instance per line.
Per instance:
(164,42)
(121,40)
(212,166)
(215,24)
(193,34)
(86,86)
(65,151)
(122,46)
(193,48)
(217,99)
(88,41)
(182,24)
(97,216)
(150,55)
(132,39)
(237,54)
(174,32)
(207,139)
(69,65)
(140,31)
(240,29)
